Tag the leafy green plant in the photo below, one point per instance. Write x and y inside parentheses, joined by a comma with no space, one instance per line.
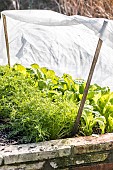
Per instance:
(42,106)
(91,120)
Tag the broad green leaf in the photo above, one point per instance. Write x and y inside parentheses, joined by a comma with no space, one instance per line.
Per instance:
(50,74)
(30,71)
(81,88)
(20,68)
(96,97)
(101,122)
(103,101)
(44,70)
(35,66)
(111,98)
(40,74)
(110,123)
(90,95)
(76,87)
(41,84)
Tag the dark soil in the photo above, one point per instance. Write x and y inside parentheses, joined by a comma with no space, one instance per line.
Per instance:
(4,138)
(5,141)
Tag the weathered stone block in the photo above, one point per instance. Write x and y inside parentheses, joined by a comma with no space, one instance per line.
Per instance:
(30,166)
(34,152)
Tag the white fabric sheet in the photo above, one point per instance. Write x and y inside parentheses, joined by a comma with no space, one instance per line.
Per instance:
(63,43)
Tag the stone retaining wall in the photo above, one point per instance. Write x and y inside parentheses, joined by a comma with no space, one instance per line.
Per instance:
(81,153)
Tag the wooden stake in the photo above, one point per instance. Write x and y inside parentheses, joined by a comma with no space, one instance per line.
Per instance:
(75,128)
(6,38)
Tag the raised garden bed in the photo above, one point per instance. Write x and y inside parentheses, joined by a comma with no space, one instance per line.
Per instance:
(81,153)
(36,105)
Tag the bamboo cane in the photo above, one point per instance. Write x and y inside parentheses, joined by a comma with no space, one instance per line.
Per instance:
(75,128)
(6,38)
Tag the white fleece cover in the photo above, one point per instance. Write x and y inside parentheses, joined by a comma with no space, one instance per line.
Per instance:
(63,43)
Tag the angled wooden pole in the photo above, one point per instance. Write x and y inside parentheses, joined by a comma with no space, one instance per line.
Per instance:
(75,128)
(6,38)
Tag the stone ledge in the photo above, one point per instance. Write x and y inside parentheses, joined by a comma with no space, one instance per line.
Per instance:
(69,152)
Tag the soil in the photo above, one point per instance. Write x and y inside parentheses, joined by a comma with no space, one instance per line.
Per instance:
(4,139)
